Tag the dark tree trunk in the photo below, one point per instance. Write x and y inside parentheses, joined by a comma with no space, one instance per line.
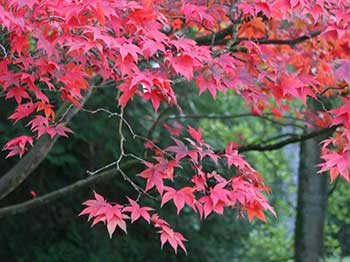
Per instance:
(312,203)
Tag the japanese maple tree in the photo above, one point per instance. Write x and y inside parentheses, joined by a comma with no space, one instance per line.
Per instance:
(269,52)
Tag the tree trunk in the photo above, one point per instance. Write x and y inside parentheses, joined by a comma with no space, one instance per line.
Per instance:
(312,203)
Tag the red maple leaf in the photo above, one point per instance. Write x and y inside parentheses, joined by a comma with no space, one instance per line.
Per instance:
(22,111)
(175,239)
(183,65)
(342,114)
(336,163)
(180,197)
(181,151)
(47,108)
(196,134)
(255,210)
(106,213)
(154,177)
(137,211)
(18,145)
(18,93)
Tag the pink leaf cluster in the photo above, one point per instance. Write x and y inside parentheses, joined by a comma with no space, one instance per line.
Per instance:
(206,192)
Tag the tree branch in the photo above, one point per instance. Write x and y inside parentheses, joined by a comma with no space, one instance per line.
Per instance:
(234,116)
(60,193)
(290,42)
(220,38)
(46,199)
(207,39)
(333,88)
(291,140)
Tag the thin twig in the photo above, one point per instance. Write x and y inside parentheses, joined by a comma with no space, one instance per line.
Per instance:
(291,140)
(3,50)
(333,88)
(223,117)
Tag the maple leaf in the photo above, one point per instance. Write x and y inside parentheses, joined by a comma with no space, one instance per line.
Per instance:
(336,163)
(22,3)
(291,85)
(39,124)
(18,145)
(175,239)
(342,115)
(167,234)
(127,95)
(181,151)
(242,191)
(18,93)
(130,49)
(151,46)
(114,219)
(158,222)
(254,28)
(255,210)
(93,206)
(196,134)
(155,96)
(153,174)
(219,193)
(200,182)
(233,157)
(59,129)
(106,213)
(210,83)
(47,108)
(216,200)
(137,211)
(208,205)
(23,111)
(180,197)
(343,70)
(198,13)
(44,43)
(20,43)
(99,11)
(184,65)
